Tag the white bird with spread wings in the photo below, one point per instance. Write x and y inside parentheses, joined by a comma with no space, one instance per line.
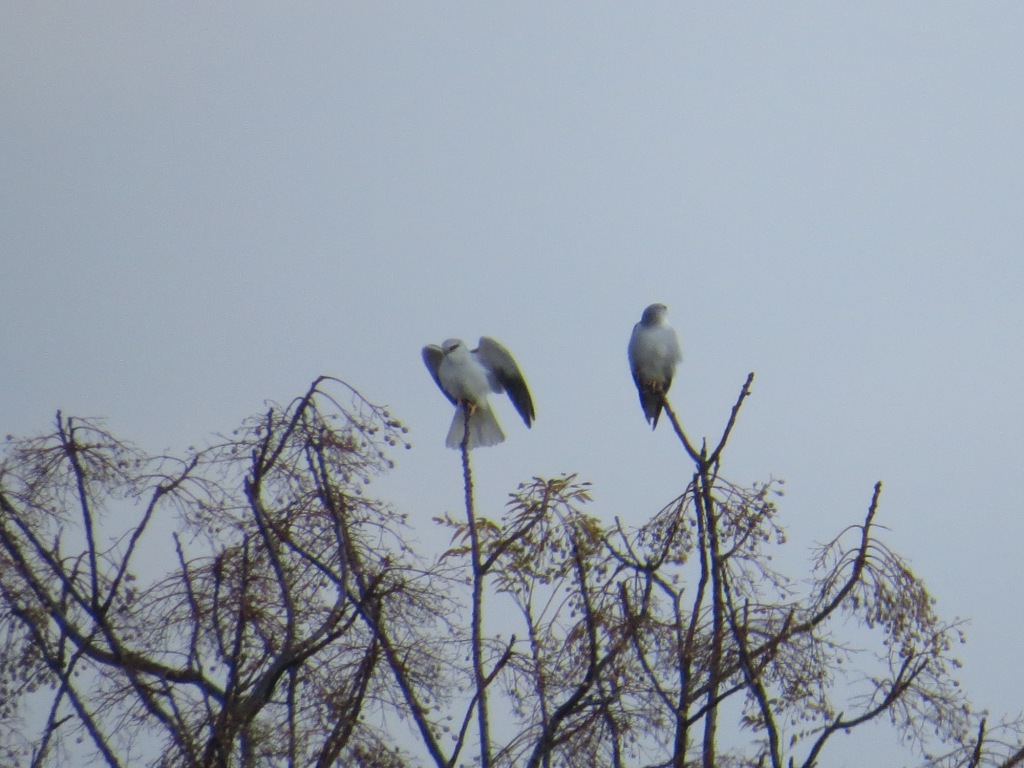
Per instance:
(654,354)
(467,378)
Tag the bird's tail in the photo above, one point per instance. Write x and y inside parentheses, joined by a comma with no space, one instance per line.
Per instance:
(484,429)
(652,401)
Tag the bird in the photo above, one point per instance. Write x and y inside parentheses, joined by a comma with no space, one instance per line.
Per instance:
(467,377)
(654,353)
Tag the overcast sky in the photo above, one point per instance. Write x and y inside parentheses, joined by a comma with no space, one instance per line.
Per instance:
(205,206)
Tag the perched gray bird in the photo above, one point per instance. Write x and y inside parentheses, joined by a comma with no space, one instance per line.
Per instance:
(654,354)
(467,377)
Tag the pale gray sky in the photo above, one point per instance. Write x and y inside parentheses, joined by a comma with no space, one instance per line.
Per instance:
(203,207)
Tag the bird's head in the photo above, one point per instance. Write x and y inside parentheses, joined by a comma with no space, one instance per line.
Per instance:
(450,345)
(654,314)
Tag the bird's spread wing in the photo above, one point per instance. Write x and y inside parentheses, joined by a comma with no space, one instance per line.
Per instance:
(505,376)
(432,357)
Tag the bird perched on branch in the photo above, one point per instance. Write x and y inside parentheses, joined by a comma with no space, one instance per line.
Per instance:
(467,378)
(654,354)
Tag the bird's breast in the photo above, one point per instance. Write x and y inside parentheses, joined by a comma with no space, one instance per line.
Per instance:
(464,379)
